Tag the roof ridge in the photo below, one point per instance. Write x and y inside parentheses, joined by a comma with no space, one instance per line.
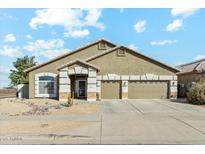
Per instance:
(137,52)
(102,53)
(196,61)
(66,54)
(77,60)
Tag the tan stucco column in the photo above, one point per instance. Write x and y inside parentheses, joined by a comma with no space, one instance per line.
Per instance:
(98,95)
(64,85)
(124,87)
(91,85)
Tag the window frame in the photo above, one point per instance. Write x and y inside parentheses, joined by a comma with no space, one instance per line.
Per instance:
(46,83)
(52,81)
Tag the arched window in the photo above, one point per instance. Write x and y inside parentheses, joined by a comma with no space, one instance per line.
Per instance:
(46,85)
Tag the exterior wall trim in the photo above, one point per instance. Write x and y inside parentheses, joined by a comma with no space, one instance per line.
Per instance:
(147,76)
(171,79)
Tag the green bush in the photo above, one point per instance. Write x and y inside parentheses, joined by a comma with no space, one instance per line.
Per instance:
(196,93)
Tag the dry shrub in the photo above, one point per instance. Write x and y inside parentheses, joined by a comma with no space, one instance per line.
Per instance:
(70,100)
(196,93)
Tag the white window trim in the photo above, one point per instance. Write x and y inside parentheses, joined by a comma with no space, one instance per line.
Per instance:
(37,85)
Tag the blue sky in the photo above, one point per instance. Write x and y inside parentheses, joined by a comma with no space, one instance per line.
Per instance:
(173,36)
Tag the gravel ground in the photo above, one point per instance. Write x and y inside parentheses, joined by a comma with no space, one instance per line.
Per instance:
(41,116)
(32,107)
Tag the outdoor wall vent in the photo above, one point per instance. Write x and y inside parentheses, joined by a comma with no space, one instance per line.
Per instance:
(121,52)
(102,45)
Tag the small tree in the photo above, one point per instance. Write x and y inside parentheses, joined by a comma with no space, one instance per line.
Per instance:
(18,76)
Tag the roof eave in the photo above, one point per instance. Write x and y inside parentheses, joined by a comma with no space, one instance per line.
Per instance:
(188,72)
(136,52)
(196,61)
(74,62)
(67,54)
(173,68)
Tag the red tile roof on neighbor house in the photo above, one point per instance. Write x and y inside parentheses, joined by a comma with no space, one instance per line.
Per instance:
(195,66)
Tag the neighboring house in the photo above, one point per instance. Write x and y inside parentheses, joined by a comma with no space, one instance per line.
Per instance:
(189,73)
(103,70)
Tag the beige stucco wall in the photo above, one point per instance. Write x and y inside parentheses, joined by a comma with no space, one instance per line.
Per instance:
(128,65)
(52,67)
(110,63)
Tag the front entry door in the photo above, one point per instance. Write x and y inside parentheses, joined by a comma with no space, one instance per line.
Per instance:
(81,88)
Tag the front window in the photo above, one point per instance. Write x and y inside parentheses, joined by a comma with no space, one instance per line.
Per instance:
(46,85)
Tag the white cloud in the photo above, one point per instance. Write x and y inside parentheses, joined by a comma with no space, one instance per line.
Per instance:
(28,36)
(184,12)
(133,47)
(198,57)
(70,19)
(92,17)
(49,48)
(175,25)
(63,17)
(10,51)
(53,53)
(181,12)
(163,42)
(77,33)
(10,38)
(42,44)
(140,26)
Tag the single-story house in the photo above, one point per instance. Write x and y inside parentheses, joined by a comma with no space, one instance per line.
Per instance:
(103,70)
(189,73)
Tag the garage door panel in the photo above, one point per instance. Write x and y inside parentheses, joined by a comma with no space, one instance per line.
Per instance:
(147,90)
(110,90)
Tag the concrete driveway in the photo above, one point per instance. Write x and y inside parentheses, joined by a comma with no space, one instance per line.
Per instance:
(152,122)
(125,122)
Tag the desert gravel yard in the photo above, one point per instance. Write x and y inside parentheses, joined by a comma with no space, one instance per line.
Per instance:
(45,121)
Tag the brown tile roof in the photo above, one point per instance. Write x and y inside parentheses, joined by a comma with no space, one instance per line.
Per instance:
(195,66)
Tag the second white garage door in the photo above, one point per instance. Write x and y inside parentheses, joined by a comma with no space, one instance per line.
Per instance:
(147,90)
(110,90)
